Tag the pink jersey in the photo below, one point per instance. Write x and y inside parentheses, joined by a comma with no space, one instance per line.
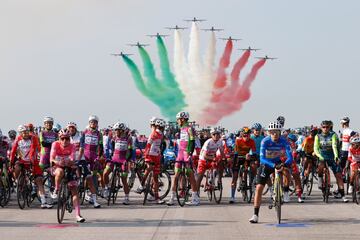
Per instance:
(186,134)
(66,153)
(154,143)
(122,145)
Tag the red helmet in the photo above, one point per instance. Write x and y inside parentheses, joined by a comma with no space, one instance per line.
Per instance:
(30,126)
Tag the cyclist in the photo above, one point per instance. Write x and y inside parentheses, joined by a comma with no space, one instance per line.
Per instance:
(4,147)
(75,137)
(91,147)
(208,153)
(294,171)
(309,158)
(25,150)
(153,154)
(325,148)
(346,134)
(245,148)
(281,121)
(354,160)
(47,137)
(121,147)
(271,150)
(186,147)
(63,155)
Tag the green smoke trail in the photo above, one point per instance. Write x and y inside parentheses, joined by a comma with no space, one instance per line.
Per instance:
(149,70)
(139,81)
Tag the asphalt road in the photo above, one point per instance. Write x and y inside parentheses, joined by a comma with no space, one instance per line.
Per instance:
(310,220)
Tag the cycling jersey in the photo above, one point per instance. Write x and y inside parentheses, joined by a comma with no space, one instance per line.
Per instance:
(24,149)
(76,141)
(121,147)
(243,147)
(354,155)
(4,147)
(299,142)
(271,152)
(325,146)
(347,133)
(153,150)
(91,142)
(107,146)
(210,148)
(65,153)
(308,145)
(257,140)
(186,142)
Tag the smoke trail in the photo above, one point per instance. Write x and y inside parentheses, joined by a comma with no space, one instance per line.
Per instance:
(220,81)
(180,65)
(239,65)
(139,81)
(149,70)
(169,78)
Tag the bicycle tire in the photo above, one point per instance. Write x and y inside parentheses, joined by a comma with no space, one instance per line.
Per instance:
(241,185)
(147,186)
(7,187)
(61,202)
(249,186)
(278,200)
(310,183)
(182,190)
(164,179)
(20,191)
(208,185)
(218,190)
(355,189)
(113,188)
(327,187)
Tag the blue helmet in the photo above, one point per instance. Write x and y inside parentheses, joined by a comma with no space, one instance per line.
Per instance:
(256,126)
(292,137)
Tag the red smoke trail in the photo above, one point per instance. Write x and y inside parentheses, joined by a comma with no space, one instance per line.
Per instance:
(244,93)
(220,81)
(239,65)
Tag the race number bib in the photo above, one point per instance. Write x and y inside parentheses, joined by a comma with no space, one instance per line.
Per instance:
(91,140)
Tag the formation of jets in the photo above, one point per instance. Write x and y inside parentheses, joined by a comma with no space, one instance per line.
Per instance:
(157,35)
(212,29)
(249,49)
(231,39)
(138,44)
(120,54)
(266,58)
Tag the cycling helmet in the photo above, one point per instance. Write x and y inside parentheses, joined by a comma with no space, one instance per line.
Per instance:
(314,130)
(12,134)
(93,118)
(245,130)
(152,120)
(281,120)
(298,131)
(214,131)
(72,124)
(326,123)
(119,125)
(345,120)
(64,133)
(257,126)
(160,122)
(48,119)
(355,140)
(57,127)
(30,126)
(182,114)
(275,126)
(22,128)
(292,137)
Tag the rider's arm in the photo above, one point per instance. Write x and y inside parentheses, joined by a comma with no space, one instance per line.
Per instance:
(335,142)
(317,148)
(191,143)
(82,145)
(14,150)
(263,160)
(289,157)
(100,146)
(53,153)
(42,141)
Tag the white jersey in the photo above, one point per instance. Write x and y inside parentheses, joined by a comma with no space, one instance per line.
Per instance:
(210,148)
(76,140)
(346,134)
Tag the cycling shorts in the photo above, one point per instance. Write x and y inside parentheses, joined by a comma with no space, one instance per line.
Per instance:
(155,162)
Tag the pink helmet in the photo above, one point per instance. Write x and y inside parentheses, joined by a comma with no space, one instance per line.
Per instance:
(64,133)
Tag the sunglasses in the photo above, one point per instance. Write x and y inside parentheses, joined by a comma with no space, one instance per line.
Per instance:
(65,139)
(325,126)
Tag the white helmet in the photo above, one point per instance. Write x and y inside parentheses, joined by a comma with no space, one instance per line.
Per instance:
(345,120)
(48,119)
(275,126)
(160,122)
(119,125)
(22,128)
(182,114)
(355,140)
(214,131)
(93,118)
(72,124)
(153,120)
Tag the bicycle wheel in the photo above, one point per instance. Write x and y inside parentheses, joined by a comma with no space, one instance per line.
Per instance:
(131,179)
(355,189)
(148,186)
(182,191)
(7,188)
(249,186)
(81,189)
(242,184)
(326,188)
(113,188)
(61,203)
(278,199)
(164,184)
(21,191)
(208,186)
(310,183)
(218,189)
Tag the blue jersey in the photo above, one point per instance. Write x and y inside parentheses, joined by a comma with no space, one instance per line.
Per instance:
(257,140)
(272,152)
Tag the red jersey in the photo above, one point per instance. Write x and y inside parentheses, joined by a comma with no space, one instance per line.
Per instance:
(25,149)
(243,147)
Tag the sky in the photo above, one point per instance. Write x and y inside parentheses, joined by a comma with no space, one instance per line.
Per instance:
(55,58)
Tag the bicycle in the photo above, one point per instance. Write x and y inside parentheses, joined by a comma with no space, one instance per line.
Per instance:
(213,185)
(5,186)
(308,182)
(164,184)
(182,186)
(25,187)
(246,180)
(115,183)
(277,199)
(356,186)
(65,197)
(326,186)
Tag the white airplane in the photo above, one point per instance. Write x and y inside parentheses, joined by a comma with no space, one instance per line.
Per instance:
(194,20)
(157,35)
(249,49)
(213,29)
(138,45)
(231,39)
(120,54)
(266,58)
